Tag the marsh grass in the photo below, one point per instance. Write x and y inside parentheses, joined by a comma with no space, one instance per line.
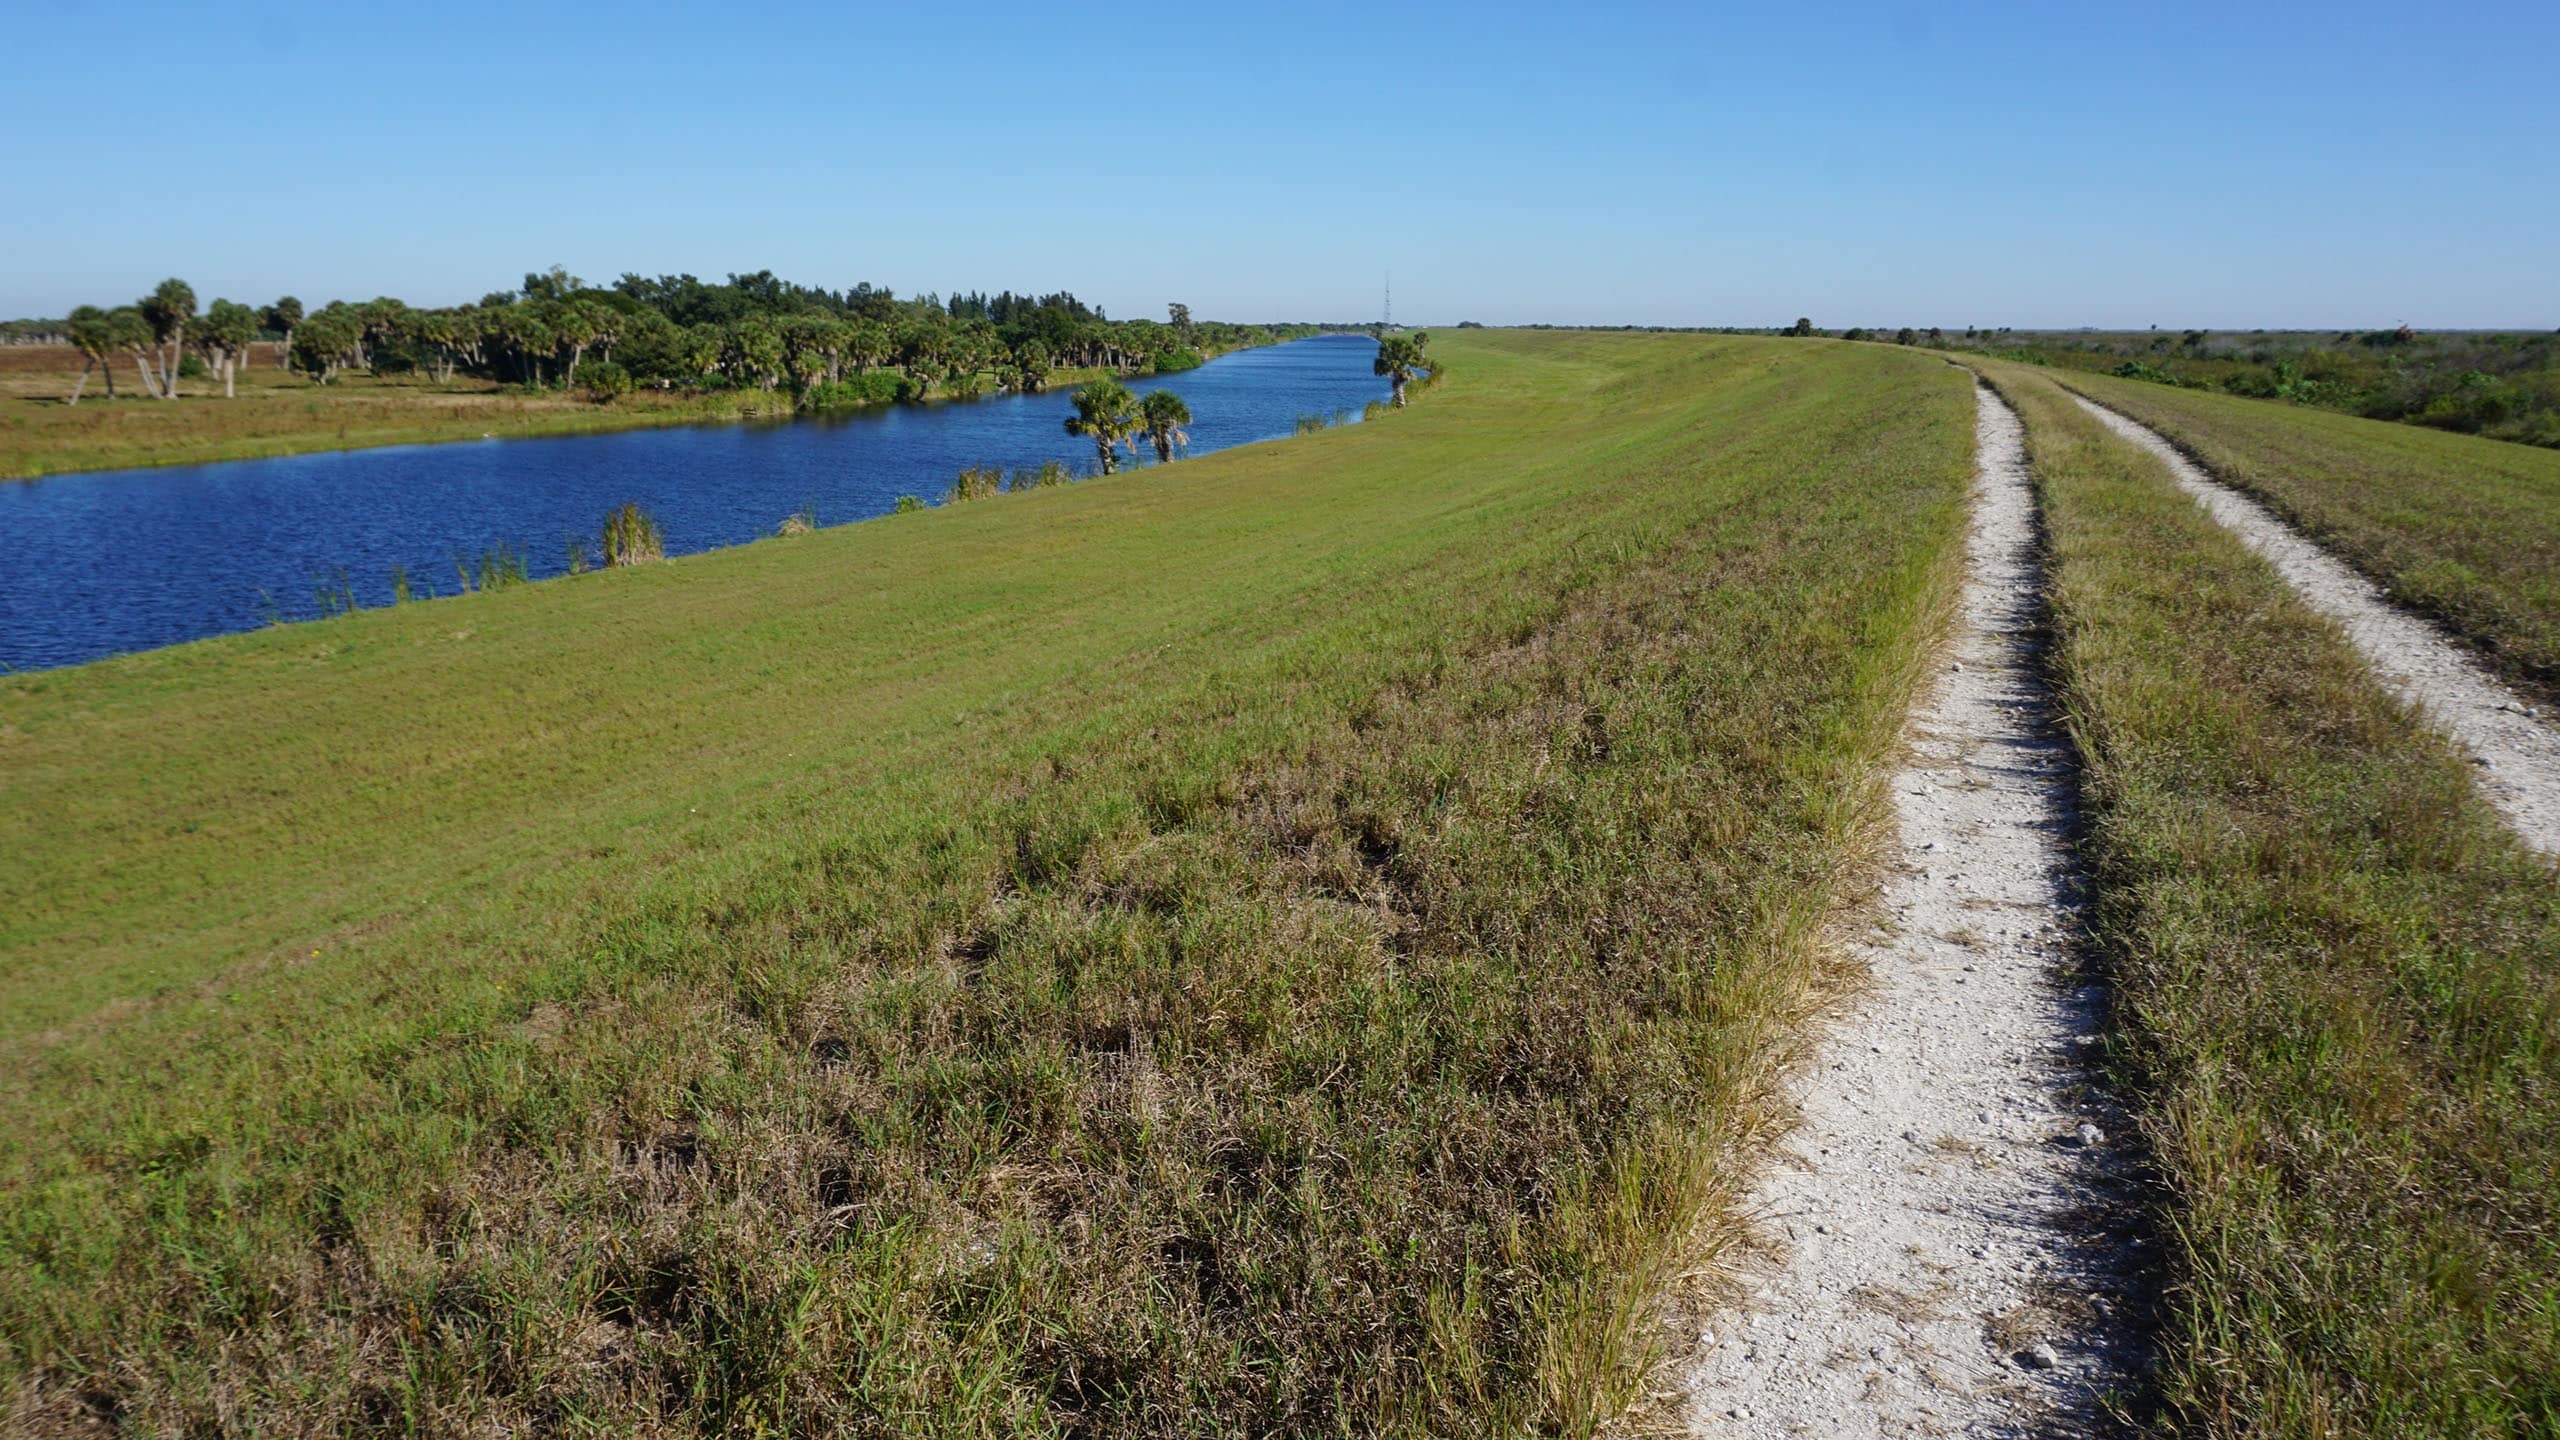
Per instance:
(1295,947)
(334,594)
(1048,474)
(2338,981)
(497,568)
(978,482)
(630,537)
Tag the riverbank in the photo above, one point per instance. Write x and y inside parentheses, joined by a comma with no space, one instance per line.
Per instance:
(245,543)
(277,413)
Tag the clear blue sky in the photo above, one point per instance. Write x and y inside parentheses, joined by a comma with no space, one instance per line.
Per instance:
(2230,164)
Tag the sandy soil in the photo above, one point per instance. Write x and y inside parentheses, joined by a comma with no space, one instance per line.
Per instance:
(1941,1213)
(2515,748)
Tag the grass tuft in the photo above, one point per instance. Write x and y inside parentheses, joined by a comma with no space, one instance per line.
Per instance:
(630,537)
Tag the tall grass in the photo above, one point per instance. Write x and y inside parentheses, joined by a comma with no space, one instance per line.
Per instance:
(1045,475)
(498,567)
(976,483)
(630,537)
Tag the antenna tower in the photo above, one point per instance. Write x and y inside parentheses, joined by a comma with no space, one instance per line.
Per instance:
(1388,320)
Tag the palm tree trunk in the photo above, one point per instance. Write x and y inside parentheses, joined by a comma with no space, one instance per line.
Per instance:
(88,363)
(230,371)
(284,356)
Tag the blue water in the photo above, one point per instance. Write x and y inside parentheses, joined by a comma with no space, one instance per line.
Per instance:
(115,561)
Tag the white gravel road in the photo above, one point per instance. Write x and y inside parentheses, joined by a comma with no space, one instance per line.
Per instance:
(2511,742)
(1942,1257)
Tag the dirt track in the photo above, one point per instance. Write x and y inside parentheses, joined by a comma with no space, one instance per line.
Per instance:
(2515,748)
(1939,1214)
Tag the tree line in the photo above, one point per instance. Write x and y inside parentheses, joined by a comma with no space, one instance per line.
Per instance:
(759,332)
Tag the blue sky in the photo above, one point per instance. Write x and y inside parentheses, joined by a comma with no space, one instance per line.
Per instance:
(2221,165)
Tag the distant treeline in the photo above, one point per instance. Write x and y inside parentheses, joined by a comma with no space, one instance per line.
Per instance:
(831,347)
(2505,385)
(2502,385)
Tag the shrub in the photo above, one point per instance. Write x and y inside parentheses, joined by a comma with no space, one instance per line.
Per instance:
(1376,409)
(799,522)
(908,505)
(871,387)
(603,380)
(2145,370)
(191,368)
(631,537)
(1175,361)
(1310,423)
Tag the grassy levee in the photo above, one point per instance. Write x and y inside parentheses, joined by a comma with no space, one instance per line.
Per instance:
(1283,942)
(2337,981)
(2460,528)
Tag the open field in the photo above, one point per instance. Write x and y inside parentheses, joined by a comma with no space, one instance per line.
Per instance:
(277,412)
(1290,941)
(2464,530)
(2337,978)
(2502,385)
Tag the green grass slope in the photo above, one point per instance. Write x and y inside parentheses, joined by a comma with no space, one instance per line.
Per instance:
(2337,979)
(1287,941)
(2464,529)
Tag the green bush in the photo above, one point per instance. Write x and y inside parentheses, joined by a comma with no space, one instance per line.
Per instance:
(871,387)
(2145,370)
(1175,361)
(603,380)
(908,505)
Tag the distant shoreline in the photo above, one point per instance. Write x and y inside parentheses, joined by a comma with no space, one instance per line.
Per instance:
(369,417)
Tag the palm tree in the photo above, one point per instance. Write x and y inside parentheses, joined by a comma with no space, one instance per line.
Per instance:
(1163,414)
(1031,367)
(128,330)
(1399,359)
(1106,411)
(96,338)
(282,316)
(168,310)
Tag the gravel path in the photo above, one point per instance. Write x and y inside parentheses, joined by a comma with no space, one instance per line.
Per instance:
(1941,1214)
(2518,755)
